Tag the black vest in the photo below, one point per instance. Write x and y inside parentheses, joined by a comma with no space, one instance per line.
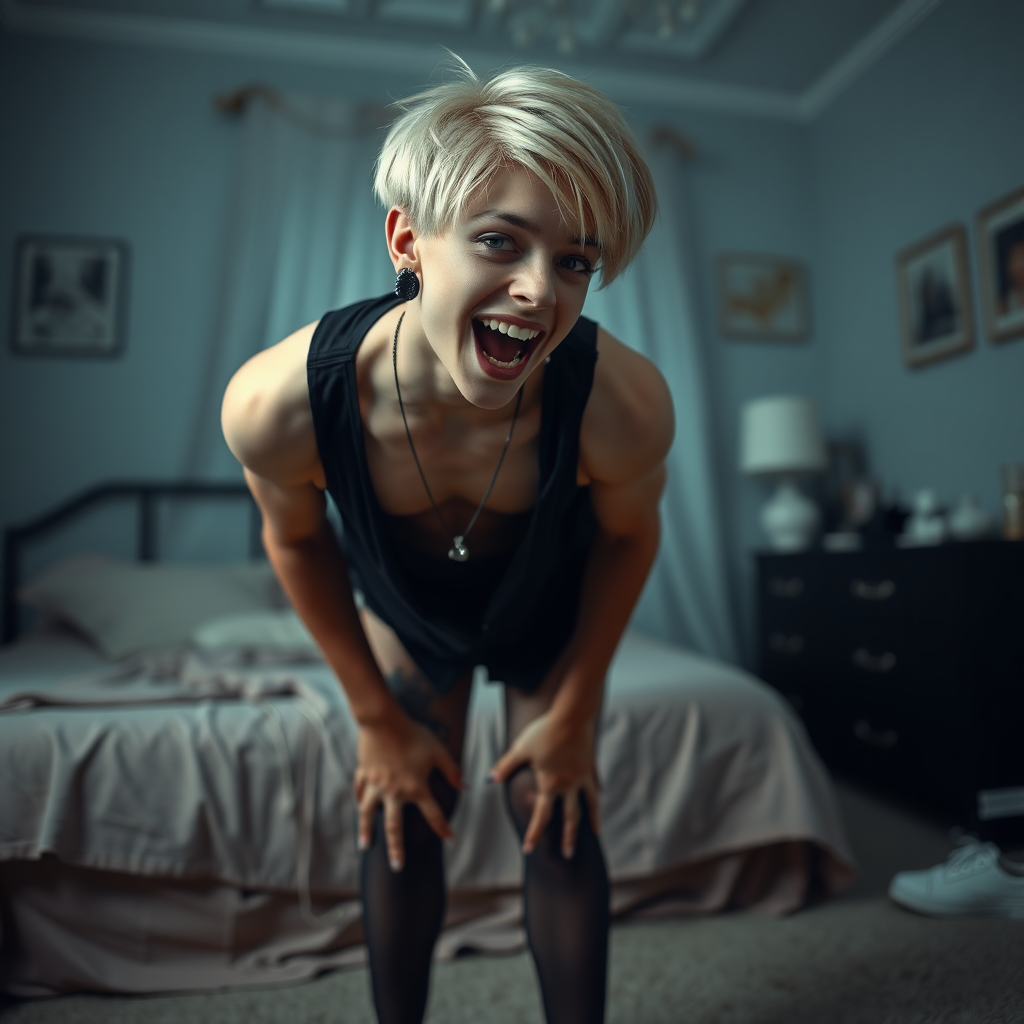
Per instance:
(514,611)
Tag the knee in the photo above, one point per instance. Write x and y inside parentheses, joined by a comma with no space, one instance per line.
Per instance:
(415,828)
(520,797)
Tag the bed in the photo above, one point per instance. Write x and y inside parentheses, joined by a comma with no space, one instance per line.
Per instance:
(175,781)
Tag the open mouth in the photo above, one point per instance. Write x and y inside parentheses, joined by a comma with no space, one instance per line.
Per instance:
(505,346)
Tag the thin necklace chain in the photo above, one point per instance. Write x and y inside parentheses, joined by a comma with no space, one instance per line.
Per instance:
(458,552)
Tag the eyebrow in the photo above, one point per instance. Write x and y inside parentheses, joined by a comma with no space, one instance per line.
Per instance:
(587,241)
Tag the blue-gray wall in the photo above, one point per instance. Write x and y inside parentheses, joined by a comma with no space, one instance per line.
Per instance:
(122,141)
(934,133)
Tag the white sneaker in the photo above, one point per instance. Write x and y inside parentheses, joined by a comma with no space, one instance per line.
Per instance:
(973,882)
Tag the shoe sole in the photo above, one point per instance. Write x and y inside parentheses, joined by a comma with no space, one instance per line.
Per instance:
(1013,911)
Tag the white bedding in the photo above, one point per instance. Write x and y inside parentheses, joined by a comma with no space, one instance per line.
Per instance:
(176,769)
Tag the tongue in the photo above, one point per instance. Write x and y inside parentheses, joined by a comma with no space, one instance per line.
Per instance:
(497,345)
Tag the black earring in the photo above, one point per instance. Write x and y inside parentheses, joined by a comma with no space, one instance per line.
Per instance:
(407,284)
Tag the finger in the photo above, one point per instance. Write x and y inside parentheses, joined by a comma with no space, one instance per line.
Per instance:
(570,821)
(592,797)
(393,833)
(367,811)
(450,769)
(506,765)
(435,817)
(538,822)
(359,787)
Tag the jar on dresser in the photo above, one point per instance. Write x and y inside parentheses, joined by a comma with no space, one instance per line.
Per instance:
(907,667)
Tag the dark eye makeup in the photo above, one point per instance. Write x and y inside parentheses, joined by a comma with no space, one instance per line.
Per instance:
(496,243)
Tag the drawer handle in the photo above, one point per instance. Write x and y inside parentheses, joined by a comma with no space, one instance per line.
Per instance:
(879,664)
(782,644)
(873,591)
(780,587)
(873,738)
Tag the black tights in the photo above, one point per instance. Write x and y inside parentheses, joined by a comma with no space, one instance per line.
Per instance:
(565,903)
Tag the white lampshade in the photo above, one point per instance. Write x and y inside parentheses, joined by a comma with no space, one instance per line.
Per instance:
(781,435)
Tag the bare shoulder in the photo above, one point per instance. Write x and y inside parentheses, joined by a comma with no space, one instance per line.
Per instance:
(629,423)
(266,416)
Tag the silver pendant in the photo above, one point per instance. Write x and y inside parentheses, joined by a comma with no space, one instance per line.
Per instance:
(458,552)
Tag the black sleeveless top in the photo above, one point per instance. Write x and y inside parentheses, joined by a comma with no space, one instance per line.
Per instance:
(513,611)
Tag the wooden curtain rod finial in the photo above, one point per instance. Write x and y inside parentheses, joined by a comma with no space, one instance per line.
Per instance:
(679,142)
(237,102)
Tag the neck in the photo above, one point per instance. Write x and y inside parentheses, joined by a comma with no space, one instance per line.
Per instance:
(425,381)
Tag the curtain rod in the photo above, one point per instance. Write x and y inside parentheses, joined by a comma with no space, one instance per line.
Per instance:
(238,101)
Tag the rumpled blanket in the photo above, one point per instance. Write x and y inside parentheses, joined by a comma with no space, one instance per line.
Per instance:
(238,770)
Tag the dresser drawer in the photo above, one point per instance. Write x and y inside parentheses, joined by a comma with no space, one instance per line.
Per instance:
(906,660)
(896,585)
(897,745)
(791,653)
(789,589)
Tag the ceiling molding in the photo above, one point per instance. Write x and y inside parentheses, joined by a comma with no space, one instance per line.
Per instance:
(368,54)
(863,55)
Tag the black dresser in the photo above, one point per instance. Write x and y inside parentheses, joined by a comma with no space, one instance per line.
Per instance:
(907,667)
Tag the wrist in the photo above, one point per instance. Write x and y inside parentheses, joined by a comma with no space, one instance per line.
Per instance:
(377,709)
(569,713)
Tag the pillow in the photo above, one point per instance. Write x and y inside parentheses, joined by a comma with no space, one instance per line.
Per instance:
(126,607)
(281,633)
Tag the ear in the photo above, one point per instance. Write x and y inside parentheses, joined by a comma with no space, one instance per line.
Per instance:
(401,236)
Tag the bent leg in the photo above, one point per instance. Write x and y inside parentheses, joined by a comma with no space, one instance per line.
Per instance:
(403,910)
(565,900)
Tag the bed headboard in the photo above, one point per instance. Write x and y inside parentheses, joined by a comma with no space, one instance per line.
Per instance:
(146,498)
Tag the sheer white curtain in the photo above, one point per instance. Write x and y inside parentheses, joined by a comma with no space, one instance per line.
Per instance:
(306,235)
(652,308)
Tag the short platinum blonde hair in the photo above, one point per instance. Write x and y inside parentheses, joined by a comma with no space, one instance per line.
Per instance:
(450,141)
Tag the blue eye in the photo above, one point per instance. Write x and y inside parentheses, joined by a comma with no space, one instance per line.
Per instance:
(495,242)
(582,266)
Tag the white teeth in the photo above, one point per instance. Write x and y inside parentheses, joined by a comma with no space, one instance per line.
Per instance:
(507,366)
(519,333)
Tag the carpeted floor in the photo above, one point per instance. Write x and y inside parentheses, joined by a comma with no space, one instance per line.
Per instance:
(854,959)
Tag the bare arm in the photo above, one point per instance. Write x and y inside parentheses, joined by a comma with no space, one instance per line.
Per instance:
(304,552)
(268,426)
(626,434)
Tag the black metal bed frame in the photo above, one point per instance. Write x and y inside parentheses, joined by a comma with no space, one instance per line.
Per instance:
(146,497)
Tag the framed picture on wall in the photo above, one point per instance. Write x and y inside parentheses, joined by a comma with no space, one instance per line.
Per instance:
(762,297)
(1001,258)
(935,297)
(69,296)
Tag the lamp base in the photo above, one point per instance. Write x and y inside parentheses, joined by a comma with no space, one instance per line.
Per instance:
(790,519)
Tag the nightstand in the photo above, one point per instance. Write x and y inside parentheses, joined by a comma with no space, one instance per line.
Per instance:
(907,667)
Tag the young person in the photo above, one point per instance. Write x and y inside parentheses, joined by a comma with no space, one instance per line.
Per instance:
(497,461)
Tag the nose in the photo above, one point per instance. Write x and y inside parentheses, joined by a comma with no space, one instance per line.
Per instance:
(534,284)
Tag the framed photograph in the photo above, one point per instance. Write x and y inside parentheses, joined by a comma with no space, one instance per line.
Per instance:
(935,297)
(1001,258)
(69,297)
(762,297)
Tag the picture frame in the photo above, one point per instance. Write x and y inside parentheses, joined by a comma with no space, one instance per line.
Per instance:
(933,289)
(1000,240)
(762,297)
(69,296)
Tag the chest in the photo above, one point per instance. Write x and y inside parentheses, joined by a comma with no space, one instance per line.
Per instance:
(459,458)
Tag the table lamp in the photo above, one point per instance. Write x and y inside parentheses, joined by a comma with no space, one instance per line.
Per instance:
(781,438)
